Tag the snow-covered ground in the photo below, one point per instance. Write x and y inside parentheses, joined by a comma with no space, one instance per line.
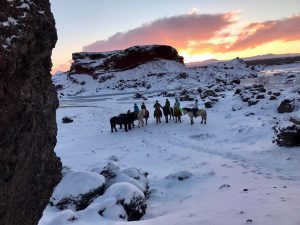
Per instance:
(234,173)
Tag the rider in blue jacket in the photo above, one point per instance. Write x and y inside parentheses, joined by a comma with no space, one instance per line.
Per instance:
(136,108)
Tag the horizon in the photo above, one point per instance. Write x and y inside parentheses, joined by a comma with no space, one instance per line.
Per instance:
(199,31)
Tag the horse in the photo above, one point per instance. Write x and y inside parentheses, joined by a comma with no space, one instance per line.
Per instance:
(126,119)
(200,112)
(140,117)
(132,117)
(157,115)
(146,116)
(168,111)
(177,115)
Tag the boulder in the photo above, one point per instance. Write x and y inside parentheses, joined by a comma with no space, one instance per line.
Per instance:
(286,106)
(29,168)
(287,134)
(66,119)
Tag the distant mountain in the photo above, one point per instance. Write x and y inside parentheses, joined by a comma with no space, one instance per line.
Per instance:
(247,59)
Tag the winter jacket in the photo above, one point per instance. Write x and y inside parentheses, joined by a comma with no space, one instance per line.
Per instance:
(167,104)
(143,106)
(157,105)
(177,104)
(195,106)
(136,109)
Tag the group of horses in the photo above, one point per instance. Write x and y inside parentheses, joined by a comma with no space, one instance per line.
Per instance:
(127,119)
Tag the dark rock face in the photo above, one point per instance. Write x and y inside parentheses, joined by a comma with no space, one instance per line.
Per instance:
(29,168)
(286,106)
(94,63)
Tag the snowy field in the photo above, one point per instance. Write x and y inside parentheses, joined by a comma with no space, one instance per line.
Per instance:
(233,172)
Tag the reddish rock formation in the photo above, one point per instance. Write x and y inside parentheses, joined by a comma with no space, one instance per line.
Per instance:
(97,62)
(29,168)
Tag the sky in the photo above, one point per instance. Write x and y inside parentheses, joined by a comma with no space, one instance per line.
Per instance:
(198,29)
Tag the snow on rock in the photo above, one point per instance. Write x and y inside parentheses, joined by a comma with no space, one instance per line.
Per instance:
(136,177)
(77,190)
(104,72)
(130,197)
(287,134)
(97,63)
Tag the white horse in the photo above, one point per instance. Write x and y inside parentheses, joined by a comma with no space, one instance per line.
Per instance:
(140,117)
(200,112)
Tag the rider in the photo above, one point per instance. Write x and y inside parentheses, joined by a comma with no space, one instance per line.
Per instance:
(143,106)
(157,107)
(177,105)
(167,104)
(195,108)
(136,108)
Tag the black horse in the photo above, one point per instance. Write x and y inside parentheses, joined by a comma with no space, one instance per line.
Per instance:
(125,119)
(168,111)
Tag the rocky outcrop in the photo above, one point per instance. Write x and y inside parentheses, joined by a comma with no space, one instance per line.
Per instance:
(287,134)
(286,106)
(29,168)
(99,62)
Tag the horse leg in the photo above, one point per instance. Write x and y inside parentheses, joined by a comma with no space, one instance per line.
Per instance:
(192,121)
(159,119)
(167,119)
(112,127)
(201,120)
(125,125)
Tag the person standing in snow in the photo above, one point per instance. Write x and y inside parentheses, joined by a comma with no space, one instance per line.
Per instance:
(195,108)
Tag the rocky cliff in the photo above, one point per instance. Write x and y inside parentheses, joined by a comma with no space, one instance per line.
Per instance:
(29,168)
(98,62)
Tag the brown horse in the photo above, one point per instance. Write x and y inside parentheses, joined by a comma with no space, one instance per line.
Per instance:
(146,116)
(177,115)
(157,114)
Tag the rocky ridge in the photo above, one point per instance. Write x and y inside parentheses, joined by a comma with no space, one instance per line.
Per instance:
(29,168)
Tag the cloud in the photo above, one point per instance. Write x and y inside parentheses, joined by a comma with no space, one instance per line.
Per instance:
(61,67)
(256,34)
(177,31)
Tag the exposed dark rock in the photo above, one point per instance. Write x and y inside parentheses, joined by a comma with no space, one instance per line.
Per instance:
(93,63)
(208,104)
(237,91)
(273,97)
(286,106)
(252,102)
(287,134)
(182,76)
(29,168)
(66,119)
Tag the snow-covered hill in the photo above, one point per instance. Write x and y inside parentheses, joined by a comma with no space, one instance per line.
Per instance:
(159,74)
(228,171)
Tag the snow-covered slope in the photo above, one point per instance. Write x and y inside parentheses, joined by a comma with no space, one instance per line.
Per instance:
(227,172)
(155,75)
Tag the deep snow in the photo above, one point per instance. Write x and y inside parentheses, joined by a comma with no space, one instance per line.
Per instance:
(235,174)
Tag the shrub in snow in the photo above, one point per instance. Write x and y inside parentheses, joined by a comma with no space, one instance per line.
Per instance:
(136,177)
(77,190)
(287,134)
(129,197)
(286,106)
(181,175)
